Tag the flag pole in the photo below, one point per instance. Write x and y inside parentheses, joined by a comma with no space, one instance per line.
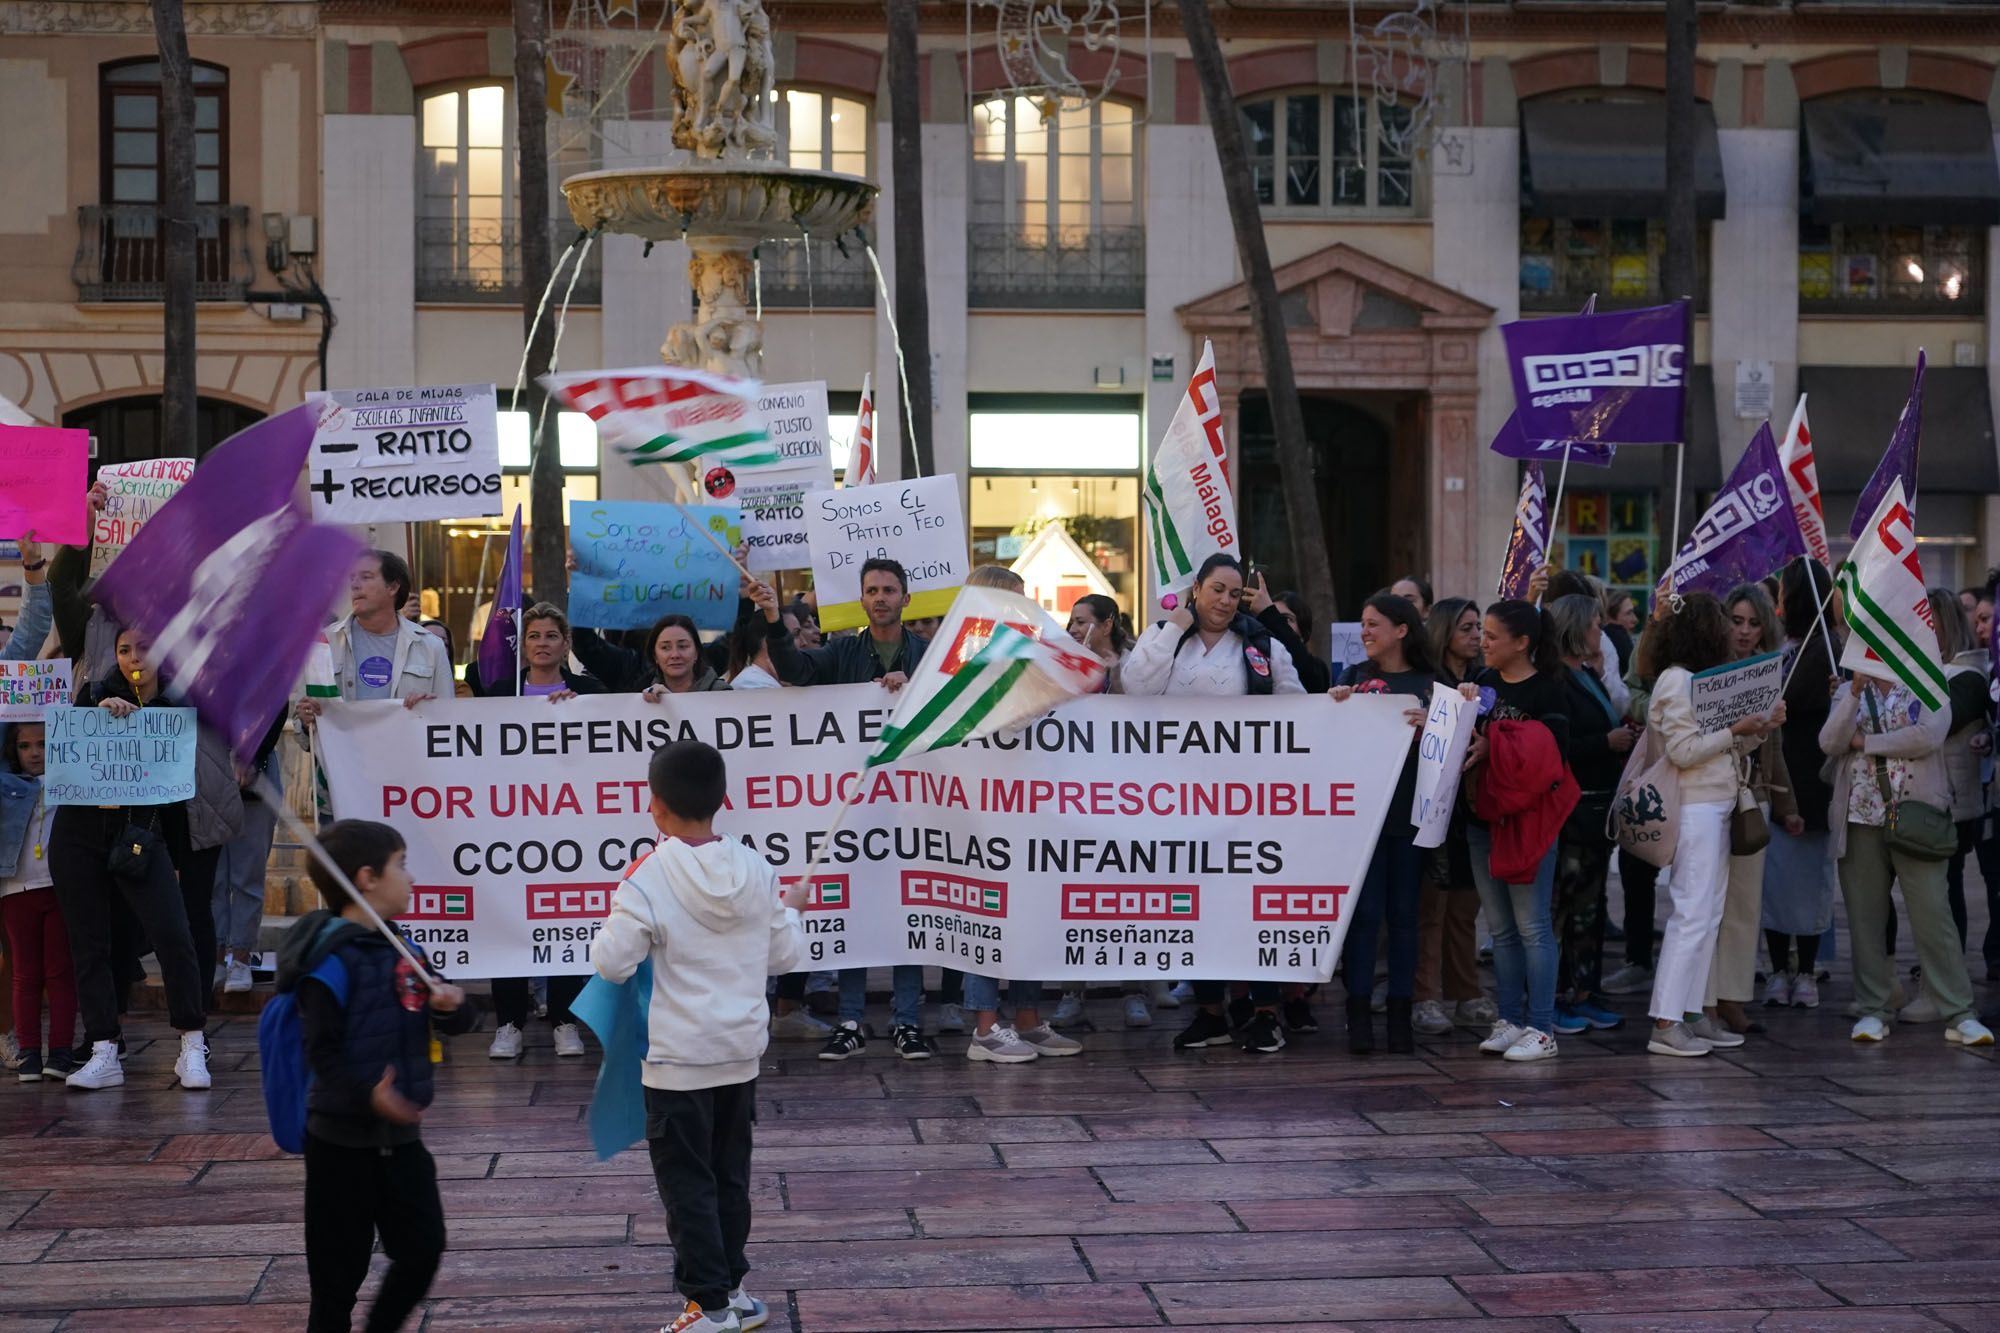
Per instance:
(714,541)
(840,813)
(1833,657)
(1562,480)
(1680,471)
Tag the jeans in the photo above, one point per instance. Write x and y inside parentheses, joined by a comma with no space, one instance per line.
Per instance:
(1524,942)
(238,904)
(906,994)
(351,1194)
(700,1145)
(89,894)
(1392,888)
(983,993)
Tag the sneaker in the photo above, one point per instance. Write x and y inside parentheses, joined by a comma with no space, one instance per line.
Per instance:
(909,1042)
(1677,1040)
(1430,1019)
(752,1312)
(1504,1036)
(1478,1012)
(1047,1041)
(1569,1023)
(1001,1046)
(1599,1018)
(845,1041)
(1969,1032)
(10,1051)
(1299,1016)
(1923,1009)
(238,979)
(59,1065)
(694,1320)
(1240,1011)
(1182,993)
(569,1039)
(1778,990)
(1870,1028)
(1164,996)
(951,1018)
(1533,1045)
(1631,979)
(30,1068)
(1805,993)
(1715,1033)
(191,1065)
(507,1043)
(1138,1014)
(1069,1011)
(103,1070)
(1263,1035)
(799,1025)
(1207,1029)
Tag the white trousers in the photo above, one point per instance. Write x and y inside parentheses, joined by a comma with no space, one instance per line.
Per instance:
(1700,882)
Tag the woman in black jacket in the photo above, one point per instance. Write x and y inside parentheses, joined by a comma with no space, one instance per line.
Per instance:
(1289,621)
(672,661)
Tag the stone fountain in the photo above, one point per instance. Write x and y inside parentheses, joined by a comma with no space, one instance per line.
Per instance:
(726,195)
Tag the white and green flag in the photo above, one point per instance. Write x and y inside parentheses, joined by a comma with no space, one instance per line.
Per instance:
(998,660)
(664,414)
(320,683)
(1888,607)
(1190,510)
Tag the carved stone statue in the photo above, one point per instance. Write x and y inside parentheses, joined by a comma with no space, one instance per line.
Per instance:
(720,54)
(723,337)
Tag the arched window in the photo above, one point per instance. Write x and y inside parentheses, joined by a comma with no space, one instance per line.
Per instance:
(1321,150)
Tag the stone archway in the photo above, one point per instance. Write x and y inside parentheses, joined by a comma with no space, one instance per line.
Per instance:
(1359,325)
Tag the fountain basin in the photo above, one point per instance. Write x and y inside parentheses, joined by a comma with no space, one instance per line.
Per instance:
(751,201)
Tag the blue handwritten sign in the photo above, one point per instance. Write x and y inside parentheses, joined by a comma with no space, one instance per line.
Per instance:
(637,561)
(146,758)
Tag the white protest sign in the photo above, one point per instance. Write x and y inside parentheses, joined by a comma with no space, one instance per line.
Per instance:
(774,495)
(133,492)
(400,455)
(1344,645)
(1116,837)
(1750,688)
(919,523)
(26,688)
(1440,761)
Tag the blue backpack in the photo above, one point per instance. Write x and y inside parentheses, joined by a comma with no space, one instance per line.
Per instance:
(281,1051)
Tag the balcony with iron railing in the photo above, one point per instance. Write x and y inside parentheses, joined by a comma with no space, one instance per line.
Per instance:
(121,252)
(820,273)
(478,261)
(1036,268)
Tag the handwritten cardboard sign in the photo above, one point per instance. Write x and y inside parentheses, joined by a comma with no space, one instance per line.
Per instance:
(144,758)
(398,455)
(637,561)
(44,474)
(133,493)
(1440,760)
(29,688)
(919,523)
(774,495)
(1750,688)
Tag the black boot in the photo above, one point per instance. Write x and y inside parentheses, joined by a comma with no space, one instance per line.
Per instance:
(1360,1027)
(1402,1041)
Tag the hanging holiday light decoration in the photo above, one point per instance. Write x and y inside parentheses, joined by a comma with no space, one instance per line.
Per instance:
(1037,40)
(1398,61)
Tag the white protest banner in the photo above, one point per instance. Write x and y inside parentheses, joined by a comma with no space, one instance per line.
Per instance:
(1440,760)
(143,758)
(27,688)
(774,495)
(133,492)
(1344,645)
(399,455)
(1115,837)
(919,523)
(1749,688)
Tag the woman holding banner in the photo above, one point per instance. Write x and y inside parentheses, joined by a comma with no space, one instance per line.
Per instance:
(1799,876)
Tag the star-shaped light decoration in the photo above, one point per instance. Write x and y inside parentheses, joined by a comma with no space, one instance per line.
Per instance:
(613,8)
(558,80)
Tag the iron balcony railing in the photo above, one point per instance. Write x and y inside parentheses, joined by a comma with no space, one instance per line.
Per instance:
(821,273)
(479,260)
(121,252)
(1036,268)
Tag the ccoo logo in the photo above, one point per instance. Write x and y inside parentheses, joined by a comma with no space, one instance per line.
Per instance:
(978,897)
(1297,902)
(1131,902)
(568,901)
(439,903)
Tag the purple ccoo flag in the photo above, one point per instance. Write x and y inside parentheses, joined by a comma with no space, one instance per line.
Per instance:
(1747,533)
(1899,460)
(1618,378)
(500,644)
(1528,545)
(1511,443)
(232,580)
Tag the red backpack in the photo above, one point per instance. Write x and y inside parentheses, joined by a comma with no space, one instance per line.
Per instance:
(1525,795)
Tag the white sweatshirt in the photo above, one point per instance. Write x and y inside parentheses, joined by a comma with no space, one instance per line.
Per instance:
(710,917)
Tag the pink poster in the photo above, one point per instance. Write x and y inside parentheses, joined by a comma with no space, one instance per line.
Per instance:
(43,475)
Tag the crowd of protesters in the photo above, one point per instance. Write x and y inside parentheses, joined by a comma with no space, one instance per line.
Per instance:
(1572,690)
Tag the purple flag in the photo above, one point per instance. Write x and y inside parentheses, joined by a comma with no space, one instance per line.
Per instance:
(1618,378)
(1511,443)
(1528,546)
(1899,460)
(500,644)
(232,580)
(1747,533)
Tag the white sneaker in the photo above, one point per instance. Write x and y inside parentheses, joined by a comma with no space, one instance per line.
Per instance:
(1001,1046)
(191,1065)
(569,1039)
(693,1320)
(1533,1045)
(238,978)
(1478,1012)
(1069,1012)
(1047,1041)
(1138,1014)
(1969,1032)
(951,1018)
(1164,996)
(1680,1039)
(799,1025)
(507,1043)
(1870,1028)
(1504,1036)
(1430,1018)
(10,1051)
(1923,1009)
(1716,1034)
(1805,993)
(749,1309)
(1778,990)
(103,1071)
(1182,993)
(1630,979)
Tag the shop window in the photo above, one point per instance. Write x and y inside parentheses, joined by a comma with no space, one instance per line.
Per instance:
(1609,535)
(1565,261)
(1850,268)
(1319,150)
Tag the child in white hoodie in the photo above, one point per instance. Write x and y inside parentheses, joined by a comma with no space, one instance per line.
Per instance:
(708,911)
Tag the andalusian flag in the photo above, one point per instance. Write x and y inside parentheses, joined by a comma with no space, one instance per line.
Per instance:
(998,660)
(1190,509)
(664,414)
(1888,608)
(320,683)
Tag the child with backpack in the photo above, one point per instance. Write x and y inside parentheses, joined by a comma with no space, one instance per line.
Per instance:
(707,910)
(363,1018)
